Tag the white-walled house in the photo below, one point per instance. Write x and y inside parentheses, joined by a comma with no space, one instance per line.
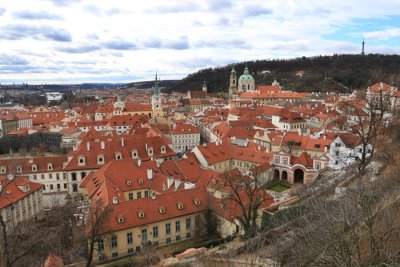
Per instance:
(345,150)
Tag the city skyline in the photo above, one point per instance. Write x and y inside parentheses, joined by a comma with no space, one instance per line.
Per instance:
(61,41)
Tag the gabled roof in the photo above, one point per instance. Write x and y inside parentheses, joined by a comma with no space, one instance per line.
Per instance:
(16,189)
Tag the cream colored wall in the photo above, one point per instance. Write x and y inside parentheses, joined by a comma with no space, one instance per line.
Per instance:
(123,246)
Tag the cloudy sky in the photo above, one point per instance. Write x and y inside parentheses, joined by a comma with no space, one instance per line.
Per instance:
(74,41)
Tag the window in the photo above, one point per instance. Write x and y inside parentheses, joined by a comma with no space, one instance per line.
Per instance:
(144,235)
(318,166)
(65,186)
(51,187)
(58,176)
(188,235)
(277,160)
(337,153)
(146,193)
(337,144)
(187,223)
(168,240)
(114,242)
(155,231)
(34,177)
(167,228)
(34,167)
(130,250)
(178,237)
(285,161)
(138,249)
(101,245)
(114,254)
(130,196)
(129,238)
(177,226)
(50,175)
(139,195)
(49,166)
(336,162)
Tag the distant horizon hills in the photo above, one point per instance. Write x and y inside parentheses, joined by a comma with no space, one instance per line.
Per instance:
(304,74)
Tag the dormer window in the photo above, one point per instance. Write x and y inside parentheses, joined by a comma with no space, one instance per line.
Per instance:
(140,181)
(141,213)
(196,201)
(81,160)
(161,209)
(49,166)
(3,169)
(163,150)
(100,159)
(129,183)
(120,218)
(34,167)
(19,169)
(118,156)
(134,154)
(179,205)
(150,151)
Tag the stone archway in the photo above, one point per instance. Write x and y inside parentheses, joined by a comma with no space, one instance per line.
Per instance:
(299,176)
(276,174)
(284,176)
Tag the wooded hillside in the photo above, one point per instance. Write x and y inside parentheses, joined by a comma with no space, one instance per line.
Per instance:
(353,71)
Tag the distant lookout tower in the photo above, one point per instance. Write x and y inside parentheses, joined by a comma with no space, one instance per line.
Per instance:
(362,49)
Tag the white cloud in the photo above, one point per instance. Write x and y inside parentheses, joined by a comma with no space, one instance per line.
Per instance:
(383,35)
(128,40)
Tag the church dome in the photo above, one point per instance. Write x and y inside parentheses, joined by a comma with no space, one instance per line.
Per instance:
(246,76)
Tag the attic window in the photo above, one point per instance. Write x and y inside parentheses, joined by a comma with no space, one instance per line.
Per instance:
(81,160)
(120,219)
(196,201)
(118,156)
(161,209)
(140,181)
(34,167)
(179,205)
(141,213)
(100,159)
(49,166)
(19,168)
(3,170)
(134,154)
(317,145)
(128,182)
(163,149)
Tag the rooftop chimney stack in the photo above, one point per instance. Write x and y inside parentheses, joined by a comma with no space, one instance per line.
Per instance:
(88,145)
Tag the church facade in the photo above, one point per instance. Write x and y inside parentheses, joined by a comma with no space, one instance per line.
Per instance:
(245,83)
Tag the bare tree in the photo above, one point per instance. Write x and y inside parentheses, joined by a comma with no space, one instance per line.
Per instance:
(96,227)
(246,193)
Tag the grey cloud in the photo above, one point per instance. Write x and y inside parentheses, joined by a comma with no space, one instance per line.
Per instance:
(177,8)
(2,10)
(100,11)
(92,36)
(180,44)
(152,43)
(79,49)
(232,43)
(14,60)
(64,2)
(21,31)
(253,11)
(224,21)
(36,15)
(120,45)
(218,5)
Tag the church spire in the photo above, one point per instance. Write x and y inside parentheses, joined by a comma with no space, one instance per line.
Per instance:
(156,90)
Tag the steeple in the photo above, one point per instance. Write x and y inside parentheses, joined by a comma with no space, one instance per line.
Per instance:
(362,50)
(204,87)
(156,90)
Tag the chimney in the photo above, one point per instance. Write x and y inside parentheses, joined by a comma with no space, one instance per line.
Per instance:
(149,174)
(139,162)
(177,184)
(102,145)
(325,149)
(88,145)
(122,142)
(258,147)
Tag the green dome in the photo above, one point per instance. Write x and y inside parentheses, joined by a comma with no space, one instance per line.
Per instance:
(246,76)
(233,71)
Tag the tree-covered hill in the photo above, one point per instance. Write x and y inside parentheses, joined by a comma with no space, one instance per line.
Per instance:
(321,73)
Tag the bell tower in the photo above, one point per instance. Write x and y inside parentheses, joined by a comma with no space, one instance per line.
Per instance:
(232,83)
(156,100)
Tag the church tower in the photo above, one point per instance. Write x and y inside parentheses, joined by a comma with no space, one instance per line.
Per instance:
(233,83)
(156,100)
(204,88)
